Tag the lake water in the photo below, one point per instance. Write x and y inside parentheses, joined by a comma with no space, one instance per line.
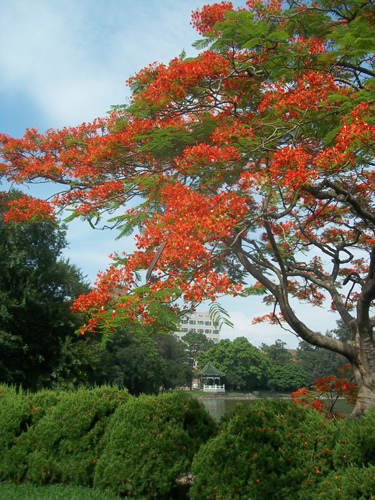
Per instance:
(218,407)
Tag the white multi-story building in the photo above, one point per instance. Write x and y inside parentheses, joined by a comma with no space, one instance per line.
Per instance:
(199,322)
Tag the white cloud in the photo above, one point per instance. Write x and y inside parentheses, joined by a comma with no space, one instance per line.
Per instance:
(318,319)
(73,58)
(256,334)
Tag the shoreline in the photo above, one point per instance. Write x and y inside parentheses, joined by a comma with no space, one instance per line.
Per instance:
(230,396)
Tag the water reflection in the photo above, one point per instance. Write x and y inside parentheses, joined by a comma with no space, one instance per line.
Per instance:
(219,407)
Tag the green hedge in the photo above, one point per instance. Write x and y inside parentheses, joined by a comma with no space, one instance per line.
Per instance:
(102,437)
(126,446)
(279,450)
(62,438)
(265,450)
(150,443)
(350,483)
(15,416)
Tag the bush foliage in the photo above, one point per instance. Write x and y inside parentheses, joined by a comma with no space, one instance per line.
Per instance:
(102,437)
(277,449)
(265,450)
(150,442)
(142,447)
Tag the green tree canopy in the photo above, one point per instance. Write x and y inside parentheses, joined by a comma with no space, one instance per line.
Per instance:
(277,352)
(177,367)
(135,358)
(286,377)
(245,366)
(37,288)
(318,362)
(196,343)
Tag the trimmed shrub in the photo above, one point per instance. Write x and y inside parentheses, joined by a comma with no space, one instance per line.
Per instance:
(266,450)
(351,483)
(138,446)
(356,442)
(15,416)
(150,443)
(63,441)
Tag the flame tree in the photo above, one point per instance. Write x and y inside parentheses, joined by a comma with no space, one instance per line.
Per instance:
(252,163)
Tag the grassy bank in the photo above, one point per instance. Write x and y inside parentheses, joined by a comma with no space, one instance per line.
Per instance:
(9,491)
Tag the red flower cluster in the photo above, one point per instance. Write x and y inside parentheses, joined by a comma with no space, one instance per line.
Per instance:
(26,208)
(327,390)
(205,18)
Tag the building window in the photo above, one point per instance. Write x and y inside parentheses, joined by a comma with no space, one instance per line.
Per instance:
(184,329)
(207,331)
(191,329)
(200,330)
(184,321)
(216,332)
(192,322)
(200,322)
(208,323)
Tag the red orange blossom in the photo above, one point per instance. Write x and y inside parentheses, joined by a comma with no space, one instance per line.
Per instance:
(326,392)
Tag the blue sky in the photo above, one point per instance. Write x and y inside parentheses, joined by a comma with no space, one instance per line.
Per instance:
(66,62)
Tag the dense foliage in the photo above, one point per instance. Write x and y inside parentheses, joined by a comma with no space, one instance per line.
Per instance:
(284,374)
(37,289)
(146,447)
(102,437)
(246,368)
(279,450)
(143,363)
(265,450)
(318,362)
(286,377)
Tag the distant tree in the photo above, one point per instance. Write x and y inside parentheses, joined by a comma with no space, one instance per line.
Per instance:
(177,367)
(277,352)
(341,331)
(196,343)
(83,361)
(245,366)
(285,374)
(141,368)
(318,362)
(135,358)
(286,377)
(37,288)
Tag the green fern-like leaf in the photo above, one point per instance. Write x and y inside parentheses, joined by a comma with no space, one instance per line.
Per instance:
(219,315)
(164,315)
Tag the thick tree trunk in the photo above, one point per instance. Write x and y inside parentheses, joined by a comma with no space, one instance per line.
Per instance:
(364,361)
(365,400)
(364,372)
